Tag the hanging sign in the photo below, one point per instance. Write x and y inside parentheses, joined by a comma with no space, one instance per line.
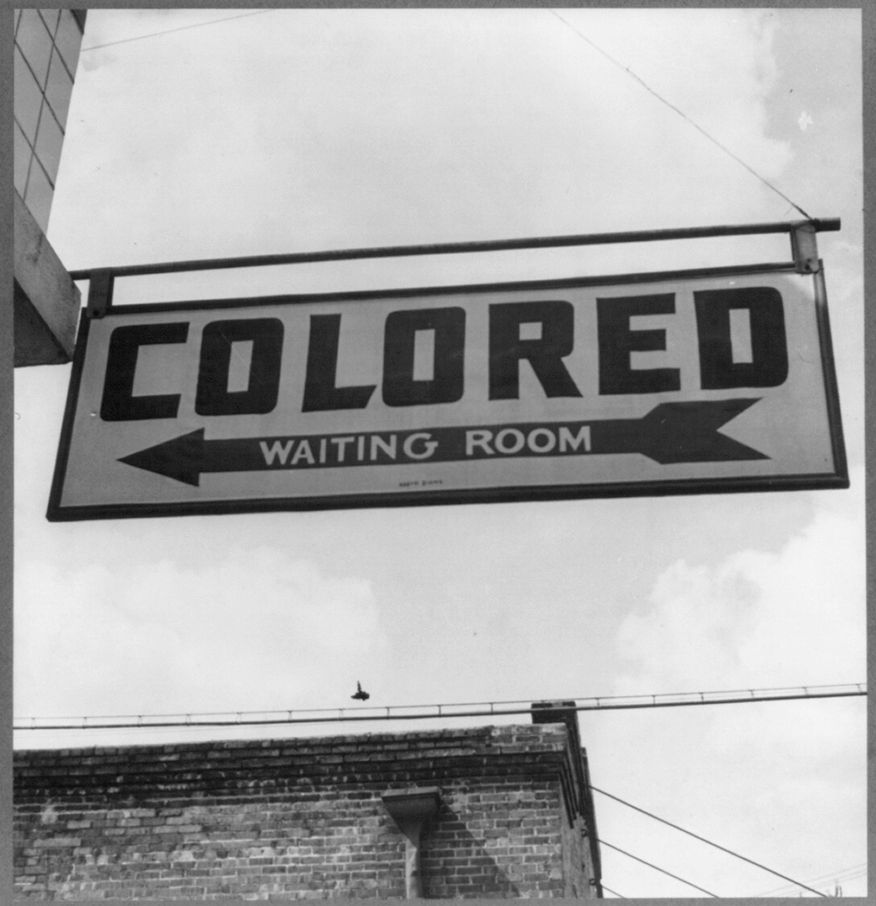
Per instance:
(694,382)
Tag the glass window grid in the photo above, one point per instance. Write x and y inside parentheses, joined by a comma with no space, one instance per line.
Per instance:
(35,43)
(27,96)
(59,87)
(22,154)
(42,104)
(38,194)
(64,56)
(50,17)
(68,39)
(50,137)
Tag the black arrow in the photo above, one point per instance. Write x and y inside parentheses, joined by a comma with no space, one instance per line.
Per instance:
(677,432)
(184,458)
(669,433)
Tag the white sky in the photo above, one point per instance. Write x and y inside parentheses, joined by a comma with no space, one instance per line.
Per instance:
(296,130)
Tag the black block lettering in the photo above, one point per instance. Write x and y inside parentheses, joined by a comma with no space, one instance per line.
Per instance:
(260,396)
(617,341)
(544,354)
(320,390)
(446,385)
(769,346)
(118,403)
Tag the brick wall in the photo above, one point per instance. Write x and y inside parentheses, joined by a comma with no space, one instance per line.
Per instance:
(305,818)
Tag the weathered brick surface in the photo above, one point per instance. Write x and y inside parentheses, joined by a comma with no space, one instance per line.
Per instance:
(303,818)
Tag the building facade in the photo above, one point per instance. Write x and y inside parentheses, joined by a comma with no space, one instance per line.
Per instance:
(46,301)
(489,812)
(47,44)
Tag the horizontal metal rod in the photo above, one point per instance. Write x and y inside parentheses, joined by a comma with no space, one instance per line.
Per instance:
(341,717)
(641,697)
(451,248)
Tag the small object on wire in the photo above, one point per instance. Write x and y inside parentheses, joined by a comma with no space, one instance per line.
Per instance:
(360,693)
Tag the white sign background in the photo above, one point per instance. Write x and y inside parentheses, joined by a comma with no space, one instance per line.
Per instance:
(790,424)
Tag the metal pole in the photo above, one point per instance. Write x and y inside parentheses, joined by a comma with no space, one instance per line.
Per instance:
(452,248)
(480,712)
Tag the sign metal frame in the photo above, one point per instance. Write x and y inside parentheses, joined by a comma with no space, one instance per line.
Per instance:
(100,303)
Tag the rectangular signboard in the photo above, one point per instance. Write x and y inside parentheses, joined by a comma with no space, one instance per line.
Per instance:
(671,383)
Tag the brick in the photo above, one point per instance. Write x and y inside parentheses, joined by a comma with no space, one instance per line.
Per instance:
(57,842)
(304,818)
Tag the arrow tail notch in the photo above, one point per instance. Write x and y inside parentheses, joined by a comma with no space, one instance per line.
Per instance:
(688,432)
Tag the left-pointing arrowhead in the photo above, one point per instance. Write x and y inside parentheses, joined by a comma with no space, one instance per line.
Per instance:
(180,458)
(688,432)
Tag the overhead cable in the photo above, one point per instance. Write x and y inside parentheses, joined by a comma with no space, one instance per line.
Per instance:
(681,113)
(657,868)
(167,31)
(595,46)
(419,712)
(710,842)
(842,875)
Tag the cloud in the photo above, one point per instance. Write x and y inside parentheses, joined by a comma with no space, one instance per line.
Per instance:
(758,618)
(258,630)
(468,124)
(769,780)
(739,68)
(418,126)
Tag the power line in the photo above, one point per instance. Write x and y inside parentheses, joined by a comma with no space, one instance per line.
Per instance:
(704,840)
(843,874)
(614,893)
(158,34)
(681,113)
(656,868)
(565,22)
(419,712)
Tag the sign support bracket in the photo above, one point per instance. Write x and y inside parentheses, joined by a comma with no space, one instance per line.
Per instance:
(159,447)
(795,228)
(100,292)
(804,247)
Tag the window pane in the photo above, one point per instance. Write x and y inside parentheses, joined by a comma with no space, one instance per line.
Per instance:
(69,39)
(28,97)
(22,154)
(38,197)
(59,88)
(48,143)
(35,43)
(50,17)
